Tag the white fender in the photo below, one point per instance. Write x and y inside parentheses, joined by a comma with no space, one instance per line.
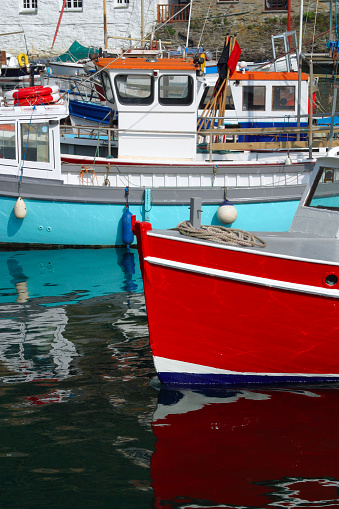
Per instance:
(227,213)
(20,209)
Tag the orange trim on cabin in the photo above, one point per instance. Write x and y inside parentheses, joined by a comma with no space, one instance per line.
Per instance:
(268,76)
(171,64)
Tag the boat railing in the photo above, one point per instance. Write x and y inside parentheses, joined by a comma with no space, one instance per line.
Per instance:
(225,138)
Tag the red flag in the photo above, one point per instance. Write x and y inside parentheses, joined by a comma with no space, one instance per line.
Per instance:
(234,57)
(57,28)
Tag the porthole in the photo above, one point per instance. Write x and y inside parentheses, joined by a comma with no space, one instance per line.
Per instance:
(331,280)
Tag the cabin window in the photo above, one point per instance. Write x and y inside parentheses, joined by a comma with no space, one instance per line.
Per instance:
(135,88)
(325,191)
(254,98)
(175,90)
(208,94)
(7,141)
(283,98)
(106,83)
(35,142)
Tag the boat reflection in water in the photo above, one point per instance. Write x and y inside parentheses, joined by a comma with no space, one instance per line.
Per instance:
(246,448)
(36,288)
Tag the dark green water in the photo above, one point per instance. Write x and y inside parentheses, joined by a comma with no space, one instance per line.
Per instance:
(76,402)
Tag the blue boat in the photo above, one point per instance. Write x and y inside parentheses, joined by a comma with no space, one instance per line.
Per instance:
(87,113)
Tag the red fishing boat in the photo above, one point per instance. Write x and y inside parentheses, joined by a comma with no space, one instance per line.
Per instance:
(253,308)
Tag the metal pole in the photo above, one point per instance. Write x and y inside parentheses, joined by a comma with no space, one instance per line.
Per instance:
(289,22)
(331,14)
(334,103)
(310,117)
(299,63)
(142,23)
(105,25)
(189,25)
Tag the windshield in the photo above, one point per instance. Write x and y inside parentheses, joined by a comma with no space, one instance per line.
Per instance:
(325,190)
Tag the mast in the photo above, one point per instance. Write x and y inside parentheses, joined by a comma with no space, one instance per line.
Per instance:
(189,25)
(300,61)
(105,25)
(289,22)
(142,24)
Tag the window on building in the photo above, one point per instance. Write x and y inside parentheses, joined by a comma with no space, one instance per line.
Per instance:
(121,3)
(73,5)
(135,88)
(175,90)
(276,5)
(7,141)
(283,98)
(254,98)
(29,6)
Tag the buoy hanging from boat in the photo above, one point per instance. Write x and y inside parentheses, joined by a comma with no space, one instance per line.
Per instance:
(227,213)
(127,233)
(20,209)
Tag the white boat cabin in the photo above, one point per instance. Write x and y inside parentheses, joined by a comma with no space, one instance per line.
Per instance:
(156,101)
(30,140)
(261,99)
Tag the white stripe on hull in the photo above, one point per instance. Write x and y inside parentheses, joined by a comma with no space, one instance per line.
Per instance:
(164,365)
(244,278)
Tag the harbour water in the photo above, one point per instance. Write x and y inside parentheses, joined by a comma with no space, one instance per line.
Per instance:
(84,422)
(75,372)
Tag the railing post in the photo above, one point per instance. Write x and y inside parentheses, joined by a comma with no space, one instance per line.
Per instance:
(109,142)
(310,116)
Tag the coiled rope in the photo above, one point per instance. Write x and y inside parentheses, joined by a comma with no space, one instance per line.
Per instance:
(230,236)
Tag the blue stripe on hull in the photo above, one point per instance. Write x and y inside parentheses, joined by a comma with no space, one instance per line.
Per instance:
(219,380)
(67,223)
(270,137)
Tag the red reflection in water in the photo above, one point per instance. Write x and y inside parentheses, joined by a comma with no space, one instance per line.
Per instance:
(247,449)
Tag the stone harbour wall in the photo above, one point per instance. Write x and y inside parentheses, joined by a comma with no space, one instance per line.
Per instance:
(252,24)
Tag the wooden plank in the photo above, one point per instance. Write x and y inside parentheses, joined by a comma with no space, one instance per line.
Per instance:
(270,145)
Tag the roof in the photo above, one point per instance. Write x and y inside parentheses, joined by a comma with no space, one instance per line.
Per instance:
(269,76)
(171,64)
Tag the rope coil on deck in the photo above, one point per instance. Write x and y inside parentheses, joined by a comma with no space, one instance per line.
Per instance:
(214,233)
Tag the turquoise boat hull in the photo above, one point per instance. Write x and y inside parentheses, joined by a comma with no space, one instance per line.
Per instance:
(68,223)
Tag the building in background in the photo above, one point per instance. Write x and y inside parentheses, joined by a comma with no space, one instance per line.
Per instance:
(31,24)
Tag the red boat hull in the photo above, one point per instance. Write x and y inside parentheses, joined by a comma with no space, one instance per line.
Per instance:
(225,315)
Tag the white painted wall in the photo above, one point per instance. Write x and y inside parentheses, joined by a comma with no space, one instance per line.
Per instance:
(85,26)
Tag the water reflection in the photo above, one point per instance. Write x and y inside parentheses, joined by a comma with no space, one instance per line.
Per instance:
(67,276)
(36,288)
(246,448)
